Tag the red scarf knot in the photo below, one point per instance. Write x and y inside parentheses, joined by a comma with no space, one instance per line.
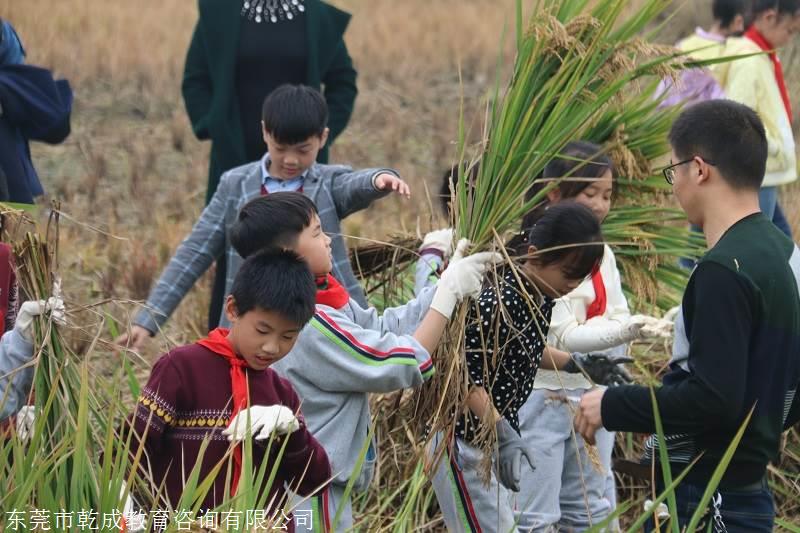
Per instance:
(331,293)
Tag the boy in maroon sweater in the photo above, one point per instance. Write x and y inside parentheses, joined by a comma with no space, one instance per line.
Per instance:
(200,391)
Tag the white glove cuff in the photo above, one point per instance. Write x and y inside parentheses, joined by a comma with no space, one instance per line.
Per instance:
(444,301)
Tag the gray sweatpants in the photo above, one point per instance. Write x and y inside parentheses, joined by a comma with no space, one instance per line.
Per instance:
(317,513)
(565,491)
(468,505)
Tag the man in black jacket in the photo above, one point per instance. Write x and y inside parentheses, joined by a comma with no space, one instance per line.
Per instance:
(741,313)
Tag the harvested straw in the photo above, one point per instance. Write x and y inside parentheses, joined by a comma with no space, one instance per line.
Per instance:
(580,73)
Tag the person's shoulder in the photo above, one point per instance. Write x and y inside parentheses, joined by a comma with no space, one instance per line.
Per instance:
(338,17)
(188,355)
(241,173)
(608,254)
(210,10)
(238,181)
(700,46)
(328,172)
(752,248)
(740,46)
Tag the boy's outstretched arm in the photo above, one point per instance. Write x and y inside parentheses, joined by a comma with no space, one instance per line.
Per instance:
(193,257)
(15,378)
(351,357)
(355,190)
(713,394)
(16,352)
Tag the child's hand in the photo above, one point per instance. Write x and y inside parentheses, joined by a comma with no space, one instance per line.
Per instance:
(28,310)
(389,182)
(135,339)
(264,421)
(441,240)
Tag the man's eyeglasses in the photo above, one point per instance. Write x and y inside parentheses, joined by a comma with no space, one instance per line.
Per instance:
(669,172)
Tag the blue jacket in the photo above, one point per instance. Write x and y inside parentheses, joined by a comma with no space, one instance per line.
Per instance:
(33,107)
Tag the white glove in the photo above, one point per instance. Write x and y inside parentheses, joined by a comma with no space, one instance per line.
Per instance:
(672,313)
(636,327)
(661,329)
(600,333)
(264,419)
(134,521)
(26,419)
(462,278)
(441,240)
(28,310)
(662,511)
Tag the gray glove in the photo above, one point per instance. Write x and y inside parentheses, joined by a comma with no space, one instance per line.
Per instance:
(510,451)
(600,368)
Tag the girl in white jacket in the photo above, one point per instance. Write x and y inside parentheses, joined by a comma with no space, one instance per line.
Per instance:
(565,490)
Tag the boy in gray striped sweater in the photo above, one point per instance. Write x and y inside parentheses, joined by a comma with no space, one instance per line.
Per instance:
(294,121)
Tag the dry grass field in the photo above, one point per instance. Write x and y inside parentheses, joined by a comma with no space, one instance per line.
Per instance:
(131,178)
(133,169)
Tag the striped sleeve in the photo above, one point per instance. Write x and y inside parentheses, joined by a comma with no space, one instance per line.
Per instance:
(348,357)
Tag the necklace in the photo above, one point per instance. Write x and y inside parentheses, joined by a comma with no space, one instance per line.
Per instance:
(272,10)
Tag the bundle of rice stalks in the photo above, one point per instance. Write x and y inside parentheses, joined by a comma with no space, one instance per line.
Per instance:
(581,72)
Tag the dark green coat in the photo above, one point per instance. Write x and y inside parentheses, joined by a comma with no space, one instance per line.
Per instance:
(210,73)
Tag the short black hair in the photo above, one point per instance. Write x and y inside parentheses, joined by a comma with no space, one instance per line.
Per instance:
(578,159)
(726,10)
(274,221)
(783,7)
(568,233)
(278,281)
(726,133)
(293,113)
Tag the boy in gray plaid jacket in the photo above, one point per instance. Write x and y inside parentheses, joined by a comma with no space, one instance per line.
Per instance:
(294,122)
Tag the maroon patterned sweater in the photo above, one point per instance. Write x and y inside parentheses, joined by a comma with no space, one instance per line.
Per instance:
(188,397)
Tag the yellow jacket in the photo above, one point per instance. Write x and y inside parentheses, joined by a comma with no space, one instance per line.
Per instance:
(751,81)
(702,46)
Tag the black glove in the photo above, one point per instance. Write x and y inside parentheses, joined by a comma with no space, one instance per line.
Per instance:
(600,368)
(510,451)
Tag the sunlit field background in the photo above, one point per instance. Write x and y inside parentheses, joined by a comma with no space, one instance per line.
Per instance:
(131,178)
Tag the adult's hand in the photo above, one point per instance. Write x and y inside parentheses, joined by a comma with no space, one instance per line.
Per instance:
(589,418)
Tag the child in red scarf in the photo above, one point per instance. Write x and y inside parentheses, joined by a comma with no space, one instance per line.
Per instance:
(347,351)
(208,391)
(758,81)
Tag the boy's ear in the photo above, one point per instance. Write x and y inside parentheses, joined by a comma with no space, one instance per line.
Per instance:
(531,251)
(231,312)
(264,131)
(323,139)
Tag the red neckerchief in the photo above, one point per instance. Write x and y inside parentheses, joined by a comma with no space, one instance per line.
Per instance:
(331,293)
(217,342)
(754,35)
(598,306)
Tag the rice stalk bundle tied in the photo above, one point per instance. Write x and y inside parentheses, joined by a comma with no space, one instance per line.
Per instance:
(72,414)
